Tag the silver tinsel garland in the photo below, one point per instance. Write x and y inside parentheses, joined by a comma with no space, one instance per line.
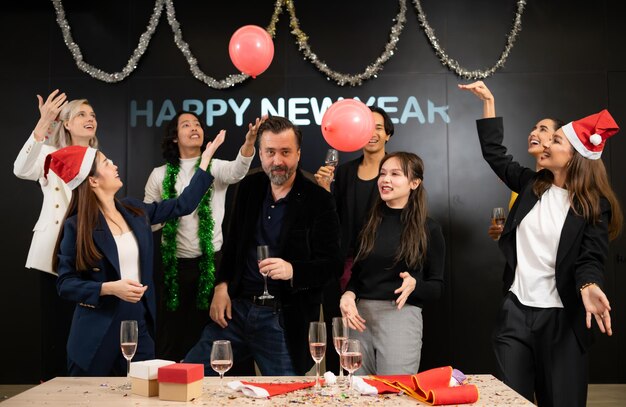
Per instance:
(452,64)
(341,79)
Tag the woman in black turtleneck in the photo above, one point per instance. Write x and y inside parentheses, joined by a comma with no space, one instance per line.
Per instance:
(399,265)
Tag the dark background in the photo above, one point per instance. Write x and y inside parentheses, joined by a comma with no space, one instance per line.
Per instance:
(568,61)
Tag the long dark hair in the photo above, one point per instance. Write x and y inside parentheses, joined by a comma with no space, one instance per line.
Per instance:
(414,238)
(171,154)
(85,205)
(586,183)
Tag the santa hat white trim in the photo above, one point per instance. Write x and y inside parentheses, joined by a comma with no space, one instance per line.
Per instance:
(85,168)
(571,135)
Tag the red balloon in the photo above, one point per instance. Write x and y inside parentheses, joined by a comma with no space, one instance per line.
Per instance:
(251,50)
(348,125)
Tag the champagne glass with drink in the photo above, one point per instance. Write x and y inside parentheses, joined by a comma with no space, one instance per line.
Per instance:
(262,253)
(129,334)
(498,217)
(351,358)
(221,359)
(317,346)
(332,158)
(340,334)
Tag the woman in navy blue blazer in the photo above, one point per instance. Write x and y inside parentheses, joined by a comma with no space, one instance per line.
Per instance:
(104,256)
(555,242)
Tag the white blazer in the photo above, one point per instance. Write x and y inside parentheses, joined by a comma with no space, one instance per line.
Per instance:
(56,198)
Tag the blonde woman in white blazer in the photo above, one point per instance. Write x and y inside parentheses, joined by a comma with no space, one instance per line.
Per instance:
(62,123)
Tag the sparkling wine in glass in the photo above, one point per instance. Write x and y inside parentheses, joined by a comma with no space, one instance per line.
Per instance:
(221,359)
(498,217)
(317,346)
(351,358)
(129,334)
(340,334)
(332,157)
(262,253)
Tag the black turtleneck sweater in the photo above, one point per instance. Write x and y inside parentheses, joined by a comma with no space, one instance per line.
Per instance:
(376,277)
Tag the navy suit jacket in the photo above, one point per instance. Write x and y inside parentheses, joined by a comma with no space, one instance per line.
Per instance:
(583,246)
(94,313)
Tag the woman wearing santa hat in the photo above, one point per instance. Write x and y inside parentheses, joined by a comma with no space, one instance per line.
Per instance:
(105,254)
(61,123)
(555,242)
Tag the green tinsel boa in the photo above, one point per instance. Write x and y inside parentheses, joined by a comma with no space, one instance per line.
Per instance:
(168,246)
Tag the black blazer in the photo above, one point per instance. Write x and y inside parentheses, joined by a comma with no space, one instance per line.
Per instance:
(583,246)
(345,198)
(309,240)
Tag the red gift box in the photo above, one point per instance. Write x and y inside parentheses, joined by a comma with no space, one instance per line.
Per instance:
(181,373)
(180,381)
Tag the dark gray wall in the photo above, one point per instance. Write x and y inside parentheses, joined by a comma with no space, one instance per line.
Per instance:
(569,61)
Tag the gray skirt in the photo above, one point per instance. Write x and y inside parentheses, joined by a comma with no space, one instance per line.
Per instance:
(392,340)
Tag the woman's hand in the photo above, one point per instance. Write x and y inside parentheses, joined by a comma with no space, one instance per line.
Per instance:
(479,89)
(495,231)
(48,111)
(596,303)
(407,287)
(125,289)
(324,176)
(210,149)
(350,311)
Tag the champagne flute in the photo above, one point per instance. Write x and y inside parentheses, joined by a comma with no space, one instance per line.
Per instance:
(332,158)
(340,334)
(262,253)
(351,358)
(498,216)
(221,359)
(129,334)
(317,346)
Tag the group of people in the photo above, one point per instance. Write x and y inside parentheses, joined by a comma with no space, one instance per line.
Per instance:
(357,241)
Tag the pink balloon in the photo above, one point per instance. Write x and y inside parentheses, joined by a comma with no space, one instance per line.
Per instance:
(251,50)
(348,125)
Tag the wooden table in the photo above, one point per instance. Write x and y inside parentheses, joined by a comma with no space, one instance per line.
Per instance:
(105,391)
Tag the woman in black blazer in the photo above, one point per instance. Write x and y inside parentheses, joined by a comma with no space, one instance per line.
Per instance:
(555,242)
(105,253)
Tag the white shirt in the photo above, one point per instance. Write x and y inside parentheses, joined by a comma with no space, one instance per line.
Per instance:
(128,255)
(224,174)
(538,237)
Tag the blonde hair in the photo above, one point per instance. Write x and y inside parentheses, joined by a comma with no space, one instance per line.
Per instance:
(60,136)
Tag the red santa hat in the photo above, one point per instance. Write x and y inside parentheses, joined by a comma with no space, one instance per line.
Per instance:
(589,135)
(72,164)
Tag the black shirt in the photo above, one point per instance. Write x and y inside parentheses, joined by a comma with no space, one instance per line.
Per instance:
(376,277)
(269,226)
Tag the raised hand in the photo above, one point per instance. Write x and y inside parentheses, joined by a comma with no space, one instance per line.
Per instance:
(481,90)
(48,111)
(210,149)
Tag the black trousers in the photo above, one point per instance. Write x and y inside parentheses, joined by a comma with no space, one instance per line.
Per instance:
(538,354)
(56,319)
(177,331)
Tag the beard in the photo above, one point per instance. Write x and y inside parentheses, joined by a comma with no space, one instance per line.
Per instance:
(279,179)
